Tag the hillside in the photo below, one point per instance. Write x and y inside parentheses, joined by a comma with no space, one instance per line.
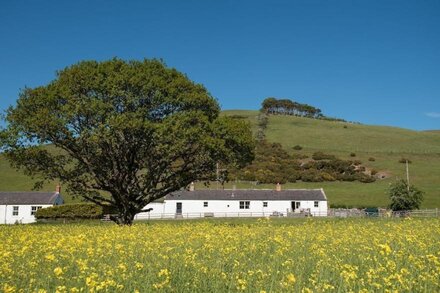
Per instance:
(385,144)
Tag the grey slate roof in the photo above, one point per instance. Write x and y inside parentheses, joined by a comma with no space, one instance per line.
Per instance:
(249,194)
(19,198)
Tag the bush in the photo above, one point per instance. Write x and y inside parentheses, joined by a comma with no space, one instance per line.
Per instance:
(311,176)
(403,161)
(364,178)
(345,126)
(404,197)
(357,162)
(371,159)
(322,156)
(352,154)
(299,156)
(297,147)
(71,211)
(373,172)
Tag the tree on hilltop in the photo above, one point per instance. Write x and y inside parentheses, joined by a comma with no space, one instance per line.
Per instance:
(126,133)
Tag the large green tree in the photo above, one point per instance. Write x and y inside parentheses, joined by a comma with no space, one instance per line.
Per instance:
(125,133)
(404,197)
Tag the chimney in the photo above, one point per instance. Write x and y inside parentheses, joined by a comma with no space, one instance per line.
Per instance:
(191,186)
(58,189)
(278,188)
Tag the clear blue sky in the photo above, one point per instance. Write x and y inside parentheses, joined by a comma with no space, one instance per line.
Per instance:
(376,62)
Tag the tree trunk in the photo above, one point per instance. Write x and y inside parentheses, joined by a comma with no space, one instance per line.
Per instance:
(125,216)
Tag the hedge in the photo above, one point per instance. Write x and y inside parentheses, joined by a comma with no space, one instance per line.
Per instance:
(71,211)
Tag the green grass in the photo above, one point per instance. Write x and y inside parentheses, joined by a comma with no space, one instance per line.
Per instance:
(386,144)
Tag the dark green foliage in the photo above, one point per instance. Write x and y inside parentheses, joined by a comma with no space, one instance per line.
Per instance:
(71,211)
(404,160)
(273,164)
(299,156)
(297,147)
(288,107)
(322,156)
(352,154)
(135,130)
(371,159)
(404,197)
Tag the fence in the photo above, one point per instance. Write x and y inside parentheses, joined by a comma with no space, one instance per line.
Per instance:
(335,213)
(383,213)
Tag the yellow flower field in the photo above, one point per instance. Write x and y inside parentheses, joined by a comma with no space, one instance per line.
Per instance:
(312,255)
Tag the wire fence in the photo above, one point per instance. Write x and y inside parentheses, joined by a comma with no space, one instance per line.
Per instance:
(335,213)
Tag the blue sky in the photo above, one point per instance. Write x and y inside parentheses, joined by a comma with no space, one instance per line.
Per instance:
(375,62)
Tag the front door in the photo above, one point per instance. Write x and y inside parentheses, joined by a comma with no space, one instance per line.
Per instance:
(178,208)
(292,206)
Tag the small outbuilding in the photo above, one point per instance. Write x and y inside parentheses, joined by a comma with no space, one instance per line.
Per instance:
(239,203)
(20,207)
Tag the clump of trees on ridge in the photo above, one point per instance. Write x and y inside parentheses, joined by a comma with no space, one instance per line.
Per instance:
(288,107)
(276,106)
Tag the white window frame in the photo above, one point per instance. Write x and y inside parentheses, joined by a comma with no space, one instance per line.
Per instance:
(316,204)
(205,204)
(244,204)
(15,211)
(265,204)
(34,209)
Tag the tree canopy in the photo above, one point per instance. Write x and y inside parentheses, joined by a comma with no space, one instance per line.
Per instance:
(288,107)
(125,133)
(404,197)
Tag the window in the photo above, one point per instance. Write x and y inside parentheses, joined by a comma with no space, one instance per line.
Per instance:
(15,210)
(297,205)
(264,204)
(316,204)
(244,205)
(34,209)
(205,204)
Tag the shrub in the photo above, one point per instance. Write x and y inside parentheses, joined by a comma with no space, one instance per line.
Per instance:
(297,147)
(352,154)
(371,159)
(71,211)
(322,156)
(373,172)
(327,177)
(311,176)
(403,161)
(364,178)
(298,156)
(345,126)
(357,162)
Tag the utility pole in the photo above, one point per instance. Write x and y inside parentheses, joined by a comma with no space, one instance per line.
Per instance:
(407,174)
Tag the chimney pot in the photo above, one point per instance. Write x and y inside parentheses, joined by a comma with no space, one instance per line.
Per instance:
(191,186)
(58,189)
(278,187)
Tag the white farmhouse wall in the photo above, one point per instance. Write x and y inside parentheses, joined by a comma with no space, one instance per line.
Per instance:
(230,208)
(24,214)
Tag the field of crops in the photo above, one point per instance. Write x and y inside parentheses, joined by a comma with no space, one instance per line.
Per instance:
(310,255)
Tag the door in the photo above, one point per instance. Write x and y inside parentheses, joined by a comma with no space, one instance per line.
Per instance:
(292,206)
(178,208)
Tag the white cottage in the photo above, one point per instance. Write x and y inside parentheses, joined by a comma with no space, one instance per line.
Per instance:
(20,207)
(239,203)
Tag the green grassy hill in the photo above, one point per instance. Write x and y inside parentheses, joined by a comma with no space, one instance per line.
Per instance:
(386,144)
